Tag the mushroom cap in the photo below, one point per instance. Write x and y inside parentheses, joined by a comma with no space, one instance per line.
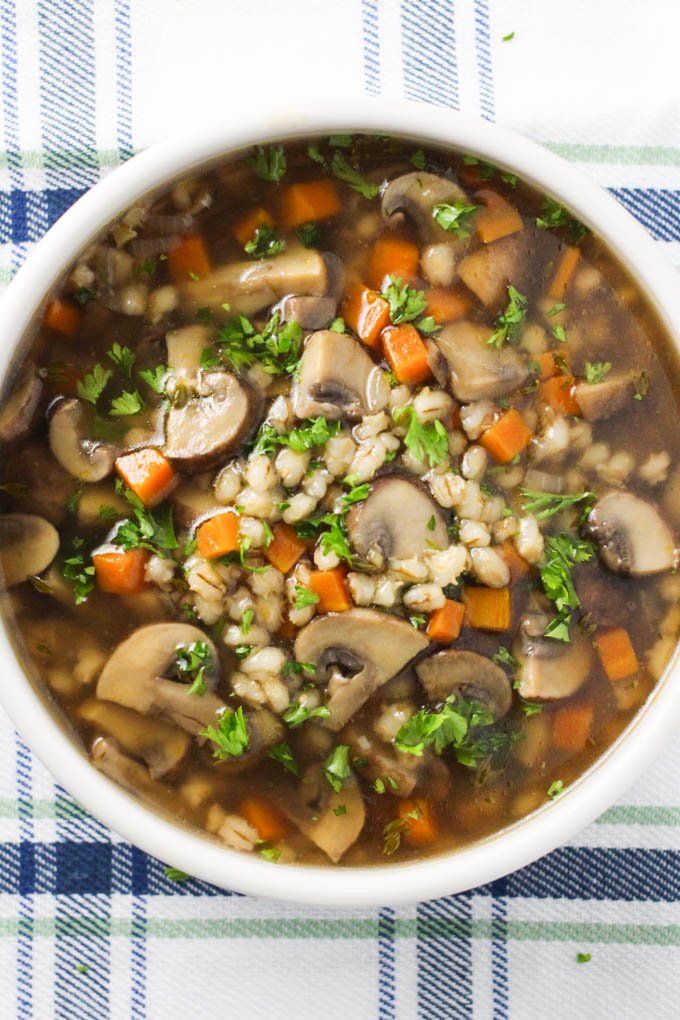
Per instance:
(136,671)
(28,544)
(185,347)
(415,195)
(82,457)
(549,669)
(479,372)
(488,270)
(604,399)
(395,518)
(372,646)
(632,535)
(311,804)
(207,427)
(160,744)
(21,404)
(309,312)
(248,287)
(466,674)
(337,379)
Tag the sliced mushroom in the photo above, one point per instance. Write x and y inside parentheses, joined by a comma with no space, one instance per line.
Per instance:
(95,497)
(469,675)
(248,287)
(632,535)
(128,773)
(20,406)
(438,364)
(81,456)
(28,544)
(382,762)
(308,312)
(370,646)
(335,269)
(549,669)
(311,806)
(136,676)
(398,518)
(337,379)
(488,271)
(158,743)
(478,371)
(415,195)
(185,347)
(604,399)
(212,423)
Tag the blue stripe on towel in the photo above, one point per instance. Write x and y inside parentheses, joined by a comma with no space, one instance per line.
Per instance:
(444,954)
(428,41)
(371,46)
(484,65)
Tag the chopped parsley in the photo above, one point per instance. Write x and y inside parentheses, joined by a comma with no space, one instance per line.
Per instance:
(595,371)
(337,325)
(298,668)
(268,852)
(559,333)
(546,504)
(79,572)
(555,789)
(336,767)
(562,552)
(174,874)
(504,658)
(417,159)
(129,402)
(191,663)
(341,168)
(309,234)
(641,383)
(297,714)
(356,494)
(246,621)
(465,727)
(554,215)
(150,529)
(508,322)
(264,243)
(508,37)
(407,305)
(333,539)
(454,217)
(432,523)
(155,377)
(583,957)
(304,597)
(315,432)
(341,809)
(284,756)
(230,736)
(276,348)
(269,164)
(427,442)
(123,358)
(92,385)
(84,295)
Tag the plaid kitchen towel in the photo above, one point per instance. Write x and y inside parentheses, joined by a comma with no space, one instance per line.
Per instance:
(89,926)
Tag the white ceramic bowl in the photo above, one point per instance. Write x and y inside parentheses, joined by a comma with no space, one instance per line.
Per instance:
(187,848)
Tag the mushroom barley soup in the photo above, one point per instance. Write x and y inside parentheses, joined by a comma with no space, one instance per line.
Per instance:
(340,493)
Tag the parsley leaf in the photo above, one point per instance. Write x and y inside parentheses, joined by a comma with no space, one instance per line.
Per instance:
(336,767)
(129,402)
(284,756)
(174,874)
(297,714)
(123,358)
(230,736)
(454,217)
(641,383)
(151,529)
(269,164)
(554,215)
(427,442)
(583,957)
(297,667)
(309,234)
(355,495)
(84,295)
(504,658)
(509,321)
(92,386)
(555,789)
(341,168)
(264,243)
(596,371)
(407,305)
(417,159)
(314,433)
(304,597)
(465,727)
(191,662)
(155,378)
(276,348)
(79,572)
(546,504)
(562,553)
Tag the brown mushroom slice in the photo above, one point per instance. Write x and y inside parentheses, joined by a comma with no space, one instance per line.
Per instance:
(18,410)
(357,652)
(83,457)
(185,347)
(478,371)
(201,432)
(602,400)
(633,537)
(130,774)
(415,195)
(161,745)
(248,287)
(467,675)
(337,379)
(135,675)
(309,312)
(382,762)
(28,544)
(311,806)
(398,518)
(488,271)
(549,669)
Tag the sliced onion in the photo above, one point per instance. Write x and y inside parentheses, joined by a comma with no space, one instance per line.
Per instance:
(147,247)
(170,223)
(543,481)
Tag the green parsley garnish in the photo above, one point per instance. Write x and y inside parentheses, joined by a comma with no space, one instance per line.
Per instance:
(454,217)
(555,789)
(123,358)
(508,37)
(559,333)
(299,668)
(309,234)
(191,663)
(336,767)
(554,215)
(315,432)
(79,572)
(151,529)
(546,504)
(264,243)
(504,658)
(341,168)
(337,325)
(155,377)
(246,621)
(230,736)
(417,159)
(508,322)
(174,874)
(583,957)
(276,348)
(268,852)
(356,494)
(284,756)
(465,727)
(407,305)
(297,714)
(341,809)
(562,552)
(304,597)
(595,371)
(84,295)
(92,386)
(126,404)
(427,442)
(269,164)
(641,383)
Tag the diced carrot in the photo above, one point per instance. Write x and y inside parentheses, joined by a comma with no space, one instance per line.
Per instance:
(189,259)
(62,316)
(571,726)
(498,219)
(558,392)
(366,313)
(148,473)
(246,227)
(406,353)
(331,587)
(563,274)
(617,654)
(446,305)
(487,608)
(121,571)
(420,823)
(392,256)
(309,200)
(517,564)
(285,549)
(267,819)
(445,624)
(508,437)
(218,535)
(547,366)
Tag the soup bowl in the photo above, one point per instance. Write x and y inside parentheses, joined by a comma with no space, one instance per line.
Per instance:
(38,719)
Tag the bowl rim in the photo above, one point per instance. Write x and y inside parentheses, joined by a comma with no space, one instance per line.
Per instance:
(185,847)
